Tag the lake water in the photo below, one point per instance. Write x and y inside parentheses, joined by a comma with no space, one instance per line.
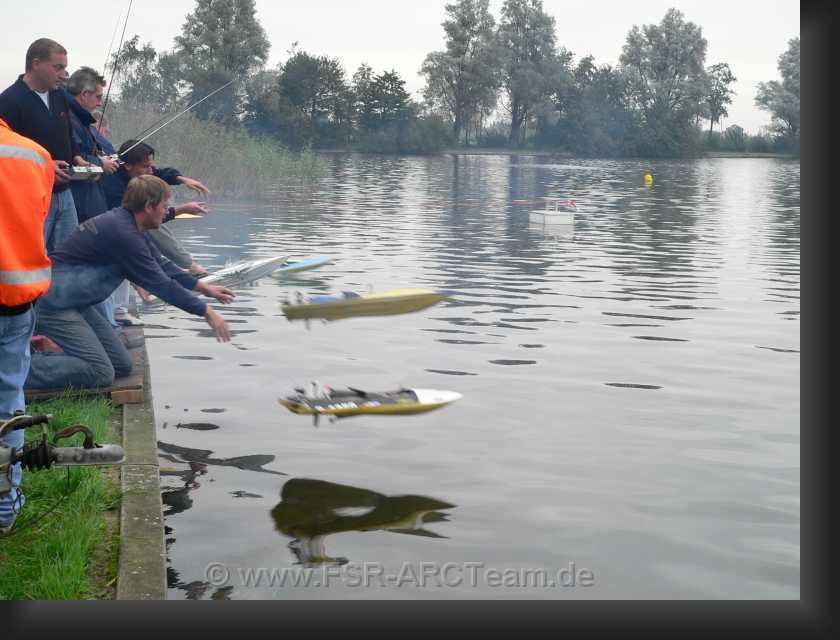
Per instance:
(630,414)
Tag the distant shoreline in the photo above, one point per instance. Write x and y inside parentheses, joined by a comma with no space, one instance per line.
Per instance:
(744,154)
(456,151)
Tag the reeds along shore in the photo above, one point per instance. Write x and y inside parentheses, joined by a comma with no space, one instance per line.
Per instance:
(229,160)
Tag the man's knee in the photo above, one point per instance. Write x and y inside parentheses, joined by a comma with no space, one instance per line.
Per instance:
(100,374)
(123,367)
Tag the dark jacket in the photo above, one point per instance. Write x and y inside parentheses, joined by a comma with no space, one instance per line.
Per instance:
(107,249)
(88,196)
(116,184)
(103,142)
(27,115)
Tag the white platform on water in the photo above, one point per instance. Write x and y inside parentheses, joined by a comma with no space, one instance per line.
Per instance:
(556,211)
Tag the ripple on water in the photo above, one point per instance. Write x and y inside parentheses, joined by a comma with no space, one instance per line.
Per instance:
(778,350)
(632,385)
(197,426)
(710,253)
(446,372)
(643,317)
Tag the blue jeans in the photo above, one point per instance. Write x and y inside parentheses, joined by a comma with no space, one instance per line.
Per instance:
(61,220)
(93,352)
(106,310)
(121,297)
(78,286)
(15,333)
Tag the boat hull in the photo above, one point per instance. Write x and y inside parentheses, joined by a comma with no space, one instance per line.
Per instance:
(384,304)
(240,273)
(351,403)
(245,272)
(292,266)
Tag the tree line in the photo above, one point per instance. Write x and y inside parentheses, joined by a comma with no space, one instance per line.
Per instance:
(505,83)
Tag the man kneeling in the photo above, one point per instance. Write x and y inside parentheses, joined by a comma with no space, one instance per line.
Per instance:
(87,267)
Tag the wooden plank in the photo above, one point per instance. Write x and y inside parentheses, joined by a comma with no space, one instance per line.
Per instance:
(128,396)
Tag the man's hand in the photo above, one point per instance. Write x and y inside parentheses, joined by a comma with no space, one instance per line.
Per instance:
(195,185)
(191,207)
(218,324)
(62,171)
(144,295)
(79,161)
(222,294)
(108,165)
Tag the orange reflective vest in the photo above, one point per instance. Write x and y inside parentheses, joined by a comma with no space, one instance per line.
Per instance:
(26,181)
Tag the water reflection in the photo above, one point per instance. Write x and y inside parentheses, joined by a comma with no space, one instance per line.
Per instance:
(178,499)
(553,231)
(246,463)
(671,311)
(311,510)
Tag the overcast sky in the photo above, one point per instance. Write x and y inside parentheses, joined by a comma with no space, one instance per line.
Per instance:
(398,34)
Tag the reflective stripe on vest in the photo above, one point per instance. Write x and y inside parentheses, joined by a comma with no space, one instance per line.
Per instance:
(26,180)
(25,277)
(21,153)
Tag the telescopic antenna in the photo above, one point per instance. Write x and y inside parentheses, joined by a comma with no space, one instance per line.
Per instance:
(116,69)
(174,118)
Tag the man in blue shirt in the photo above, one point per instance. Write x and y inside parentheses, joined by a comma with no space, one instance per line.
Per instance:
(138,160)
(85,89)
(87,267)
(37,108)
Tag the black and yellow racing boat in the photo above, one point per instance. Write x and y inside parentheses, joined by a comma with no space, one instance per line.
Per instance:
(353,402)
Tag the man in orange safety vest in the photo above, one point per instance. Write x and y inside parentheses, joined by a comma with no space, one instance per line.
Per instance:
(26,182)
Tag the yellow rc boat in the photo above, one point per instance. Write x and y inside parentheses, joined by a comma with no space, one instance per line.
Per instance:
(350,305)
(336,403)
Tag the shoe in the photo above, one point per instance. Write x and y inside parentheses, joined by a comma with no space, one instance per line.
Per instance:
(43,344)
(5,529)
(132,343)
(129,320)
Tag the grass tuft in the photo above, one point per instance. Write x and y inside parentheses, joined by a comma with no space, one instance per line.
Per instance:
(59,540)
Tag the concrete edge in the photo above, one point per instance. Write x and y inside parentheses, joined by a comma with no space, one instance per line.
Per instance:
(142,554)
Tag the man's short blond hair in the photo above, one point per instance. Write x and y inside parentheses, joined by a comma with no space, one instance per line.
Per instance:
(144,190)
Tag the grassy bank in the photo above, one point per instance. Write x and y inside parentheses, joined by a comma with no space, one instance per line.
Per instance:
(69,553)
(230,161)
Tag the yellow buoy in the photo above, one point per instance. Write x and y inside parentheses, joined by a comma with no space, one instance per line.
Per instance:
(648,179)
